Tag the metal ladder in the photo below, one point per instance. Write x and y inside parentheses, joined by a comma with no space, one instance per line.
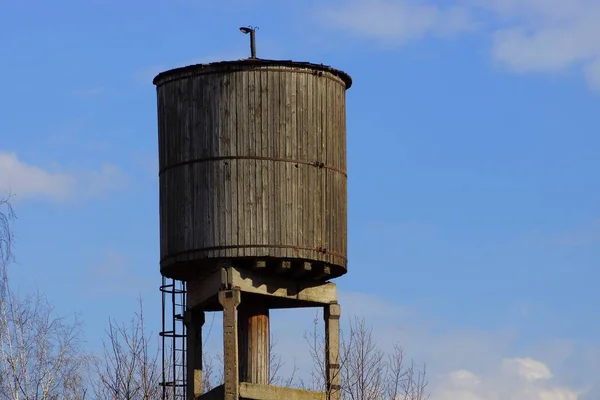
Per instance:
(173,379)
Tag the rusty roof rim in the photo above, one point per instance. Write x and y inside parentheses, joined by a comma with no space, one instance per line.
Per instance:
(248,62)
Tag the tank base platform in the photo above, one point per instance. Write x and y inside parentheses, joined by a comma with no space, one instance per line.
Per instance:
(245,298)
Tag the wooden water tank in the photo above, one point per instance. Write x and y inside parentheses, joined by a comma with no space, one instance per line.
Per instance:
(252,158)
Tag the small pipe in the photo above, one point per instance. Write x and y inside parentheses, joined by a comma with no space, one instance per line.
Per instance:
(252,43)
(252,31)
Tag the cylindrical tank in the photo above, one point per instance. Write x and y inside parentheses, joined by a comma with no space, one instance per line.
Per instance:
(252,159)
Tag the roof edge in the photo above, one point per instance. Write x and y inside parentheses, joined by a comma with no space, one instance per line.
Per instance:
(221,66)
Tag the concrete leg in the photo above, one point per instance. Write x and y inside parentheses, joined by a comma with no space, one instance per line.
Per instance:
(332,351)
(194,319)
(230,300)
(254,342)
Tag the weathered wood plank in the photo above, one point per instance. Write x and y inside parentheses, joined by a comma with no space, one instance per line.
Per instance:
(291,172)
(244,195)
(265,165)
(252,165)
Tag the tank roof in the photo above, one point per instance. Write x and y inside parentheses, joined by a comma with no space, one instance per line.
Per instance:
(221,66)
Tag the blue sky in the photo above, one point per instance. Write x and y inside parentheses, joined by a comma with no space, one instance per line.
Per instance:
(474,217)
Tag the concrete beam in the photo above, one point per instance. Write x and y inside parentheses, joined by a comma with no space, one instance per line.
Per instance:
(200,291)
(313,293)
(252,391)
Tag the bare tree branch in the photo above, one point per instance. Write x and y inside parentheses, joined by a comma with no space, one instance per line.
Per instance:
(366,372)
(129,368)
(7,215)
(40,354)
(275,368)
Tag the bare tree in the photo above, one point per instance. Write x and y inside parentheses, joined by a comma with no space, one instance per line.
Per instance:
(211,376)
(213,368)
(6,217)
(367,373)
(276,365)
(40,353)
(316,348)
(129,366)
(364,368)
(404,382)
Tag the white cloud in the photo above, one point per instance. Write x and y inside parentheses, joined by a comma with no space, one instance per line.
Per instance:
(527,368)
(29,181)
(397,21)
(543,36)
(547,36)
(461,364)
(515,379)
(592,73)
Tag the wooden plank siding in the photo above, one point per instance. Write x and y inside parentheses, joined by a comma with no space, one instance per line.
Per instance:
(252,165)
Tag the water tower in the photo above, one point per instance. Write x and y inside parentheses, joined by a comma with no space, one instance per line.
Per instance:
(253,213)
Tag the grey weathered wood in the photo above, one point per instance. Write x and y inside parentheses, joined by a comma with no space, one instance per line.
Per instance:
(252,159)
(253,338)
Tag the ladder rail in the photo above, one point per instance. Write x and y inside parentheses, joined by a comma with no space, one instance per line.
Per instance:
(173,338)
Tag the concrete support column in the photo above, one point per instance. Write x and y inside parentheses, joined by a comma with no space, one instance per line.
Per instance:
(253,339)
(194,319)
(230,300)
(332,351)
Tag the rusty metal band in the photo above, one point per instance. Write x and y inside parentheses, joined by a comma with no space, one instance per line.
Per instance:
(256,246)
(225,158)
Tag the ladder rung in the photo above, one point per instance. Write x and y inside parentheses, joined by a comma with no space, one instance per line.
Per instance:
(171,334)
(171,384)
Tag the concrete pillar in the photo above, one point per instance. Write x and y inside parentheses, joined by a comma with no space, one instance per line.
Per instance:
(253,339)
(230,300)
(194,319)
(332,351)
